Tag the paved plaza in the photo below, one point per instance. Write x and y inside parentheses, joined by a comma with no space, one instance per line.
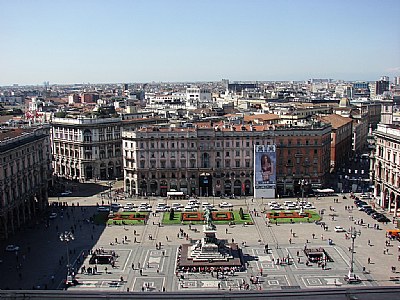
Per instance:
(141,266)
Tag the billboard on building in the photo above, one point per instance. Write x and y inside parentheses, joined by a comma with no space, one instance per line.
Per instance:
(264,171)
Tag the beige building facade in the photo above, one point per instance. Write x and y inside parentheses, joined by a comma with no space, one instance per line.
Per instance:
(218,160)
(25,171)
(386,167)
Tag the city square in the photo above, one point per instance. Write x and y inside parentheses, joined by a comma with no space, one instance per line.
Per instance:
(149,264)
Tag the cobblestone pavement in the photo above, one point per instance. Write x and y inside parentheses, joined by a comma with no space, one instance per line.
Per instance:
(43,255)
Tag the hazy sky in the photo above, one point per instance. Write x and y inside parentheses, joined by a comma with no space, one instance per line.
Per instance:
(206,40)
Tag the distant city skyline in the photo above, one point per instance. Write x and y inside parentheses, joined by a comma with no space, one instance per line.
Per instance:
(66,42)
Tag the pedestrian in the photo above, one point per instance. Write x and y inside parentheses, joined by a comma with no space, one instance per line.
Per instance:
(369,260)
(166,237)
(141,272)
(133,266)
(290,241)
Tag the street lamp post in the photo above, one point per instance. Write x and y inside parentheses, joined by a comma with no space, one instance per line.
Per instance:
(66,237)
(353,235)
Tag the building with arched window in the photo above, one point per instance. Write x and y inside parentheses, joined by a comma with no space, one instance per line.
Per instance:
(386,168)
(25,160)
(214,160)
(87,148)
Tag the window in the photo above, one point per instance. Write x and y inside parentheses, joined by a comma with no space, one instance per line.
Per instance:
(227,144)
(218,154)
(205,160)
(237,144)
(247,164)
(237,163)
(162,163)
(237,152)
(227,153)
(227,163)
(247,144)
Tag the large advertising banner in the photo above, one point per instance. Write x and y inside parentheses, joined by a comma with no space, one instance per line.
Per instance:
(264,171)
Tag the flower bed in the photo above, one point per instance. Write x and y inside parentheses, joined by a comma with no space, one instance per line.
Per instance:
(192,216)
(289,215)
(222,216)
(133,216)
(199,216)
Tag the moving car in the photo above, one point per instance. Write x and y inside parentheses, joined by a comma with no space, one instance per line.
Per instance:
(66,193)
(339,229)
(103,209)
(53,215)
(12,248)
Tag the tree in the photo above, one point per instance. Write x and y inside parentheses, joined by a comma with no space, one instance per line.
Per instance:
(241,213)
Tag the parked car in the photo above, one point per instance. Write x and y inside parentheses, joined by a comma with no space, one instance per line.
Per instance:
(176,205)
(144,209)
(161,209)
(189,208)
(277,207)
(339,229)
(383,219)
(193,204)
(128,208)
(370,211)
(225,205)
(377,215)
(12,248)
(291,206)
(309,206)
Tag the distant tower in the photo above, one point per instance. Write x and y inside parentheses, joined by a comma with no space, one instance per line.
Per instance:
(382,85)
